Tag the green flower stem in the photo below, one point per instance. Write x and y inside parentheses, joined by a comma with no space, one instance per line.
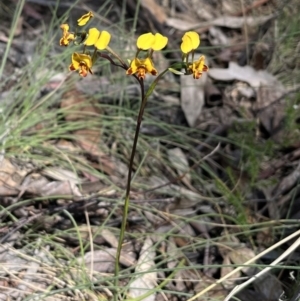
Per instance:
(130,168)
(127,201)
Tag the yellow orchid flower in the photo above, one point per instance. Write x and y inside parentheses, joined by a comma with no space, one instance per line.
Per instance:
(85,18)
(190,41)
(82,62)
(99,39)
(198,67)
(150,41)
(141,67)
(67,37)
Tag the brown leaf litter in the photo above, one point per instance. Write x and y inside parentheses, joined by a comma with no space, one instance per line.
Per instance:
(193,170)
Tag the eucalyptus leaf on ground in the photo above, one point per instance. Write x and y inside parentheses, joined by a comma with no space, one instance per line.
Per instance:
(192,97)
(255,78)
(180,163)
(146,278)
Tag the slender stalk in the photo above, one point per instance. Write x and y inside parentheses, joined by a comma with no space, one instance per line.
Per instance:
(144,98)
(128,186)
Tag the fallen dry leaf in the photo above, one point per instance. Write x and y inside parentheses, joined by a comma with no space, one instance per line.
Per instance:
(245,73)
(269,286)
(155,9)
(239,22)
(184,25)
(61,174)
(76,106)
(224,21)
(192,97)
(146,279)
(41,186)
(240,256)
(287,182)
(172,253)
(180,163)
(11,177)
(9,259)
(109,237)
(217,293)
(271,109)
(192,197)
(104,260)
(217,36)
(89,140)
(226,269)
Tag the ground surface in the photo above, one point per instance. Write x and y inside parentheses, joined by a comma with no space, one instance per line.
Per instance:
(216,172)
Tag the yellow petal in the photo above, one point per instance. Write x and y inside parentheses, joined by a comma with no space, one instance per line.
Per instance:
(86,59)
(186,45)
(71,36)
(160,42)
(79,58)
(141,67)
(148,64)
(190,41)
(93,37)
(82,62)
(200,63)
(135,63)
(67,37)
(145,41)
(198,67)
(194,36)
(85,18)
(103,40)
(65,27)
(75,60)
